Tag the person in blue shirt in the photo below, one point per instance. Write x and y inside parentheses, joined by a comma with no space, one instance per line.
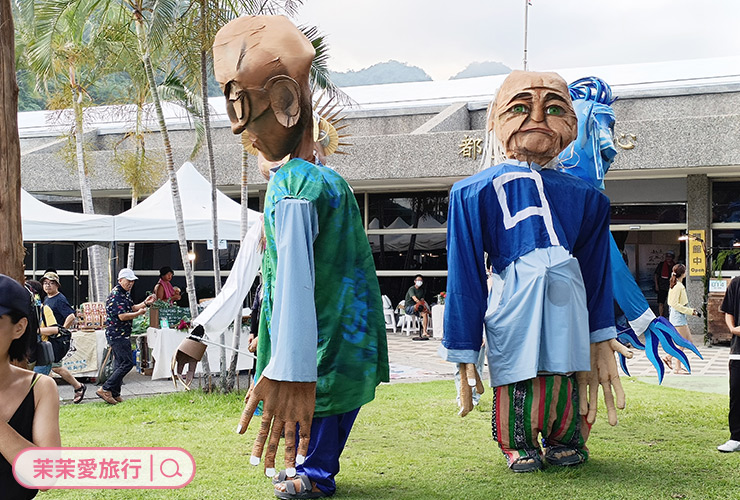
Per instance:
(57,312)
(548,318)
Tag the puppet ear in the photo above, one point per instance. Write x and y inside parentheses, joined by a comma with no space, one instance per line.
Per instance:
(285,99)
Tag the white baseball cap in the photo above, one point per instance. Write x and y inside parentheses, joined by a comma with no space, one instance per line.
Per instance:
(127,273)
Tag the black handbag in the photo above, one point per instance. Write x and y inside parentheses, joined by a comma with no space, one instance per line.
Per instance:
(60,343)
(44,353)
(106,366)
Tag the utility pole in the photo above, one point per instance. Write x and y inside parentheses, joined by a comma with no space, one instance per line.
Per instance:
(526,18)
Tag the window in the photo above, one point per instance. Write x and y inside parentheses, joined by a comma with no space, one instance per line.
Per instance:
(648,214)
(726,202)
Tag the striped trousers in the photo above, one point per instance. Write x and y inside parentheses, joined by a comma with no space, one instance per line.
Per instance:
(545,405)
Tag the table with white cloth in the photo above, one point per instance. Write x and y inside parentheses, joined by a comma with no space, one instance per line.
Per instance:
(86,349)
(165,341)
(438,316)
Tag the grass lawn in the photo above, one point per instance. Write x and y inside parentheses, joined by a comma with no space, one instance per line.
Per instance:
(410,444)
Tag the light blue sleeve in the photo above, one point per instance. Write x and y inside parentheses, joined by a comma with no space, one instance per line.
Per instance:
(294,331)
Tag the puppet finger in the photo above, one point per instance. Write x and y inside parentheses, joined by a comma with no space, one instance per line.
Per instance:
(272,446)
(620,348)
(582,381)
(290,451)
(611,410)
(471,374)
(259,441)
(250,407)
(466,392)
(478,383)
(619,391)
(304,433)
(593,401)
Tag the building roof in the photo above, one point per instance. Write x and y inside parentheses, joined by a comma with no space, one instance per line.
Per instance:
(627,80)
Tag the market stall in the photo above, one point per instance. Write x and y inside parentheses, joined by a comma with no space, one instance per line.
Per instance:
(86,350)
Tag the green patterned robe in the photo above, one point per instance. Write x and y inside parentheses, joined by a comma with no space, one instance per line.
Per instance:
(352,355)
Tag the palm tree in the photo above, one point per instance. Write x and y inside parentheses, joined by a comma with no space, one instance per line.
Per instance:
(65,52)
(203,26)
(11,241)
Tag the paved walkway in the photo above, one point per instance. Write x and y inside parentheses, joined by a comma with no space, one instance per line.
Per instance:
(417,361)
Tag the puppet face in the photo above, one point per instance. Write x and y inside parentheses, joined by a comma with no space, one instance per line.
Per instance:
(533,116)
(262,64)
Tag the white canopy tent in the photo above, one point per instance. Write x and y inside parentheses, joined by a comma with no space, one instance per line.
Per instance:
(154,218)
(44,223)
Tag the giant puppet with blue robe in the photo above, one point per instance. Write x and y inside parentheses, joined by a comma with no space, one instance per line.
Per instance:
(548,317)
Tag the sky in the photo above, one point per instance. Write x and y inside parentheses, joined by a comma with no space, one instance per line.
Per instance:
(444,37)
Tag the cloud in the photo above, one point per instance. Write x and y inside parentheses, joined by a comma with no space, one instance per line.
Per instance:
(444,37)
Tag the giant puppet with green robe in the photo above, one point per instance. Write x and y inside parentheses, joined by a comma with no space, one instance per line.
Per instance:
(322,347)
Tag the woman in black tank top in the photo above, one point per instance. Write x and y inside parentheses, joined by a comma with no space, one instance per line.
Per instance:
(29,403)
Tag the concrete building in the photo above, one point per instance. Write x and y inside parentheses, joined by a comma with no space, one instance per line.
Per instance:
(678,132)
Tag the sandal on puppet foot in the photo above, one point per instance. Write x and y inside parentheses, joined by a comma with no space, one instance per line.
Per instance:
(305,490)
(526,464)
(564,456)
(283,476)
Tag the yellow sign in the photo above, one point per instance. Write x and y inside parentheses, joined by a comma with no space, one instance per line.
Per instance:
(470,147)
(697,261)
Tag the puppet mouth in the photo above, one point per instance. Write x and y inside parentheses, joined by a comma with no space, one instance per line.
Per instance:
(538,130)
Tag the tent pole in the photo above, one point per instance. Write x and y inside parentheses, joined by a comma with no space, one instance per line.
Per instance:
(112,271)
(33,275)
(76,271)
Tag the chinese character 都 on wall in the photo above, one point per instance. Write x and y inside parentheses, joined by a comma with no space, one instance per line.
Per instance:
(470,147)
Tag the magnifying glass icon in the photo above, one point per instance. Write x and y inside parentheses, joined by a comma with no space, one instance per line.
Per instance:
(177,468)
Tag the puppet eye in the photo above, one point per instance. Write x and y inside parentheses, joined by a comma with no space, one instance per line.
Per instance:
(555,111)
(518,108)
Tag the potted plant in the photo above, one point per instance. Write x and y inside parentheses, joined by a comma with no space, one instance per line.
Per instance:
(716,327)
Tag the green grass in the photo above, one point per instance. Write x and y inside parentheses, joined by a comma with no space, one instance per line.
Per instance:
(410,444)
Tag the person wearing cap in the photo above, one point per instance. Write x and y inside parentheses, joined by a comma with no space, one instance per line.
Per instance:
(164,289)
(662,280)
(29,415)
(55,313)
(121,312)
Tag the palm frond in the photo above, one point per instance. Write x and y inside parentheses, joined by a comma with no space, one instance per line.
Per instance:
(164,16)
(173,89)
(319,75)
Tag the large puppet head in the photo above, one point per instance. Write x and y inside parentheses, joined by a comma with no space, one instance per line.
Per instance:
(262,64)
(533,116)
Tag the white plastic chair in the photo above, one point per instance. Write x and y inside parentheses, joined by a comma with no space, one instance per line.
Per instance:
(390,316)
(407,322)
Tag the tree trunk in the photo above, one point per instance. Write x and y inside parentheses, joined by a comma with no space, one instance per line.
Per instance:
(176,201)
(132,246)
(11,238)
(214,197)
(97,283)
(236,339)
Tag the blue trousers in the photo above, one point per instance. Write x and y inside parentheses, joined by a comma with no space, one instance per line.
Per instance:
(328,437)
(122,364)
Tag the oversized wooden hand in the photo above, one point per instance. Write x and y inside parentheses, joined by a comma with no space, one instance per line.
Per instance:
(285,404)
(469,378)
(603,372)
